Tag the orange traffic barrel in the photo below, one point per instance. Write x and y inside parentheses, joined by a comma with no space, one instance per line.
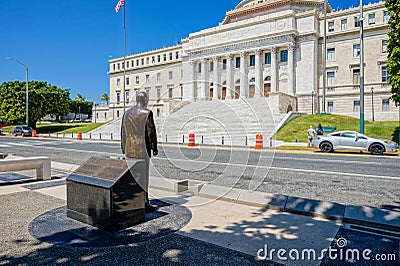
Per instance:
(191,140)
(259,142)
(79,136)
(33,133)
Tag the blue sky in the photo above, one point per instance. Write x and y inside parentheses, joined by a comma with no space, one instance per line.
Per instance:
(68,42)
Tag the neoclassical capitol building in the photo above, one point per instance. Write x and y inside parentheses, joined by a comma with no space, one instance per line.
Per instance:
(271,49)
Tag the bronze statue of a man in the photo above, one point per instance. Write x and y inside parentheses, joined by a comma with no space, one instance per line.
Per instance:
(138,138)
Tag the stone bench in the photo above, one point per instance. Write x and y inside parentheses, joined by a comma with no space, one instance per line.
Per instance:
(41,164)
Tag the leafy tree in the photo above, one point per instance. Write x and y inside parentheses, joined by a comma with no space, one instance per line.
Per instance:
(393,49)
(105,98)
(44,99)
(81,106)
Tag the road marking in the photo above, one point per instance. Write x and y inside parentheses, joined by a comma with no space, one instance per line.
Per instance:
(288,169)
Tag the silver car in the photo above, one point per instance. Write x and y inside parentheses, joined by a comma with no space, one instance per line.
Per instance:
(351,140)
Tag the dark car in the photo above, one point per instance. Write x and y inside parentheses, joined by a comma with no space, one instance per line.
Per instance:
(23,131)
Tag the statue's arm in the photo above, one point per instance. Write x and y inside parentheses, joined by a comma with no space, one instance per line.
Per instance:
(152,133)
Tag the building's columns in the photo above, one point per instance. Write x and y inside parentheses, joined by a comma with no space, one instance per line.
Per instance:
(216,79)
(290,69)
(203,79)
(230,86)
(258,69)
(274,70)
(244,78)
(191,81)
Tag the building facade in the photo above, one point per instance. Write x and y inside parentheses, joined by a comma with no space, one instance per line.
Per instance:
(267,48)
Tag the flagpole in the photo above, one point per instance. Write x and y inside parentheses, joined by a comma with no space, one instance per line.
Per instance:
(124,81)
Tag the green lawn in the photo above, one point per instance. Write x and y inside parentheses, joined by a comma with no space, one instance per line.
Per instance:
(297,128)
(61,128)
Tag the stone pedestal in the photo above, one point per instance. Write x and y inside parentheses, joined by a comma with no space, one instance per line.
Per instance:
(103,193)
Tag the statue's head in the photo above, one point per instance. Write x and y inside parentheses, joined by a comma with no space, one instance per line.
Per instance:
(141,99)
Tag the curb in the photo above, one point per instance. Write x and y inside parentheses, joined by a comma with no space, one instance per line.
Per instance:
(361,215)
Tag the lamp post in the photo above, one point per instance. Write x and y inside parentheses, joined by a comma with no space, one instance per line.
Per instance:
(312,102)
(26,104)
(372,96)
(361,68)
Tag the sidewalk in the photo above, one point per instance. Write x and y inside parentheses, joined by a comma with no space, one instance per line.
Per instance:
(219,232)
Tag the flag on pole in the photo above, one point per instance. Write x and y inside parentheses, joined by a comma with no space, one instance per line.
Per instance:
(118,6)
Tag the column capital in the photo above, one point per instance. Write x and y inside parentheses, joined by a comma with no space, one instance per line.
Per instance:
(274,50)
(244,54)
(203,59)
(229,56)
(258,51)
(291,47)
(215,58)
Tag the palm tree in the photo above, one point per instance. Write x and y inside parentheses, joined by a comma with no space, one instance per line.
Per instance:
(80,98)
(104,98)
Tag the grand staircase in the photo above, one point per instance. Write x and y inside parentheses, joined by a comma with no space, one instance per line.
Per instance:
(229,122)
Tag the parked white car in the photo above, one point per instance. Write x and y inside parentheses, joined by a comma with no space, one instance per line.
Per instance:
(351,140)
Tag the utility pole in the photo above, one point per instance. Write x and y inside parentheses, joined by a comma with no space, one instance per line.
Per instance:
(324,63)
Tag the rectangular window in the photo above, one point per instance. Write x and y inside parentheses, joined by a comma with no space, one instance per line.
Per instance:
(252,60)
(331,26)
(223,64)
(356,106)
(170,56)
(158,93)
(127,96)
(127,81)
(385,105)
(133,63)
(118,97)
(118,66)
(148,60)
(357,22)
(137,62)
(176,55)
(284,56)
(371,19)
(199,65)
(330,78)
(385,75)
(114,67)
(267,58)
(170,75)
(170,93)
(123,65)
(237,62)
(158,58)
(127,64)
(343,24)
(330,107)
(330,54)
(117,114)
(356,50)
(142,61)
(385,16)
(211,66)
(137,80)
(356,76)
(165,57)
(158,77)
(118,82)
(158,112)
(147,78)
(384,46)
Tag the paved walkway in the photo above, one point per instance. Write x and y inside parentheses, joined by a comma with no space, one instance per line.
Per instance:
(219,232)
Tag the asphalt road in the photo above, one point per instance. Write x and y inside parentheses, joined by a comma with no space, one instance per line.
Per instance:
(356,179)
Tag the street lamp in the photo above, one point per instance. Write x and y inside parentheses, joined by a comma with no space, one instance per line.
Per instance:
(372,95)
(361,68)
(26,105)
(312,102)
